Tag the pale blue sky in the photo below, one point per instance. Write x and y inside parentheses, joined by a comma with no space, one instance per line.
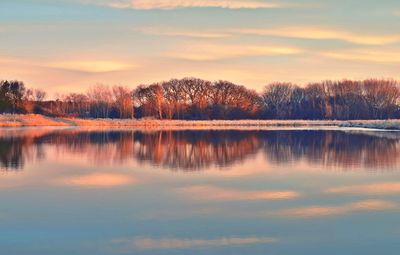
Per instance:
(64,45)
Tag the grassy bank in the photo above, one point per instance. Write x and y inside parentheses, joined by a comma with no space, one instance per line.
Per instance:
(16,120)
(374,124)
(31,120)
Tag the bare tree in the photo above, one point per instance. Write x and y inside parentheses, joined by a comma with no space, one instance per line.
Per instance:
(123,101)
(40,95)
(157,98)
(277,97)
(100,97)
(381,96)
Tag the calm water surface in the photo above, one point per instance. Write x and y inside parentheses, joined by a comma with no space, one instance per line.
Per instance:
(71,191)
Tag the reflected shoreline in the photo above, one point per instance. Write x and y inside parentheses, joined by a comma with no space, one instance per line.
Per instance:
(193,150)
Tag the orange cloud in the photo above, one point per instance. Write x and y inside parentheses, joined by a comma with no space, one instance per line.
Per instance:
(216,193)
(368,189)
(321,33)
(210,52)
(99,180)
(370,55)
(175,243)
(314,33)
(184,33)
(324,211)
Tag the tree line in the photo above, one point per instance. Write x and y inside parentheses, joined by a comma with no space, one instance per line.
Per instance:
(193,98)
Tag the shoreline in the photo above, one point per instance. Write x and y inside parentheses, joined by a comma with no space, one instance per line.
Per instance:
(37,120)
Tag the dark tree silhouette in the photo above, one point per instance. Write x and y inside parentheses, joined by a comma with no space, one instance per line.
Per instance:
(11,95)
(193,98)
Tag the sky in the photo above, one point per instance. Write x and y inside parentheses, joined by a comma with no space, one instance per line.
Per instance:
(66,46)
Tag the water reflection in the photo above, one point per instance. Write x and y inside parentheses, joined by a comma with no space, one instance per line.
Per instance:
(15,151)
(198,150)
(192,150)
(130,244)
(326,211)
(334,148)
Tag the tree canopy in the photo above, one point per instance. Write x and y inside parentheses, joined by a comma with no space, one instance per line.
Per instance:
(194,98)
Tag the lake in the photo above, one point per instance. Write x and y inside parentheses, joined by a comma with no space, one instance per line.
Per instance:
(290,191)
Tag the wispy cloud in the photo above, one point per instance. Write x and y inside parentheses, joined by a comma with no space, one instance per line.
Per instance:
(95,66)
(176,243)
(179,4)
(99,180)
(217,193)
(304,32)
(369,55)
(183,33)
(321,33)
(368,189)
(325,211)
(210,52)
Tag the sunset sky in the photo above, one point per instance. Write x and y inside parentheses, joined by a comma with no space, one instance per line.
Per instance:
(69,45)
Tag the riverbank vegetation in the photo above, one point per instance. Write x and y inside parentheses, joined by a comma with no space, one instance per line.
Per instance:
(30,120)
(197,99)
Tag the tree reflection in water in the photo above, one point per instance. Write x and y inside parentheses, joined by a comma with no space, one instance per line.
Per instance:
(334,148)
(198,150)
(193,150)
